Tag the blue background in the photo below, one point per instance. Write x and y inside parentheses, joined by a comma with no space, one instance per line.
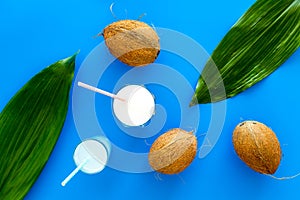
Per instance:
(36,33)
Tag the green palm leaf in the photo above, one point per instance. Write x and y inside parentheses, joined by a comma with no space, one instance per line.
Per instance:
(30,125)
(260,41)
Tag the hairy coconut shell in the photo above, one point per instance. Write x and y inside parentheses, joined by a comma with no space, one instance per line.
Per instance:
(257,145)
(133,42)
(173,151)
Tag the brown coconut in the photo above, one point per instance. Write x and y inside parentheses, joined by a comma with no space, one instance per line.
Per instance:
(173,151)
(133,42)
(257,145)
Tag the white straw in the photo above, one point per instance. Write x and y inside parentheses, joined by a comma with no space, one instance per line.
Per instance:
(73,173)
(89,87)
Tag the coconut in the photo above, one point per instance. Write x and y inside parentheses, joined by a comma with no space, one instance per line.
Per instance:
(173,151)
(133,42)
(257,145)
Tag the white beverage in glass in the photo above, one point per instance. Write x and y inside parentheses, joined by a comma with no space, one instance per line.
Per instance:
(138,107)
(90,157)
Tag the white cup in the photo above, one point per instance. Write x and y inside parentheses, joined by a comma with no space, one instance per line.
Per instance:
(138,107)
(90,156)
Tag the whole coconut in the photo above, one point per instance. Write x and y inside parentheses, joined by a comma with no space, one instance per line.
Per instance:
(133,42)
(173,151)
(257,145)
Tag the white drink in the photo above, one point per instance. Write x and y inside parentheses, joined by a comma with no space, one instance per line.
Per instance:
(138,108)
(90,157)
(95,151)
